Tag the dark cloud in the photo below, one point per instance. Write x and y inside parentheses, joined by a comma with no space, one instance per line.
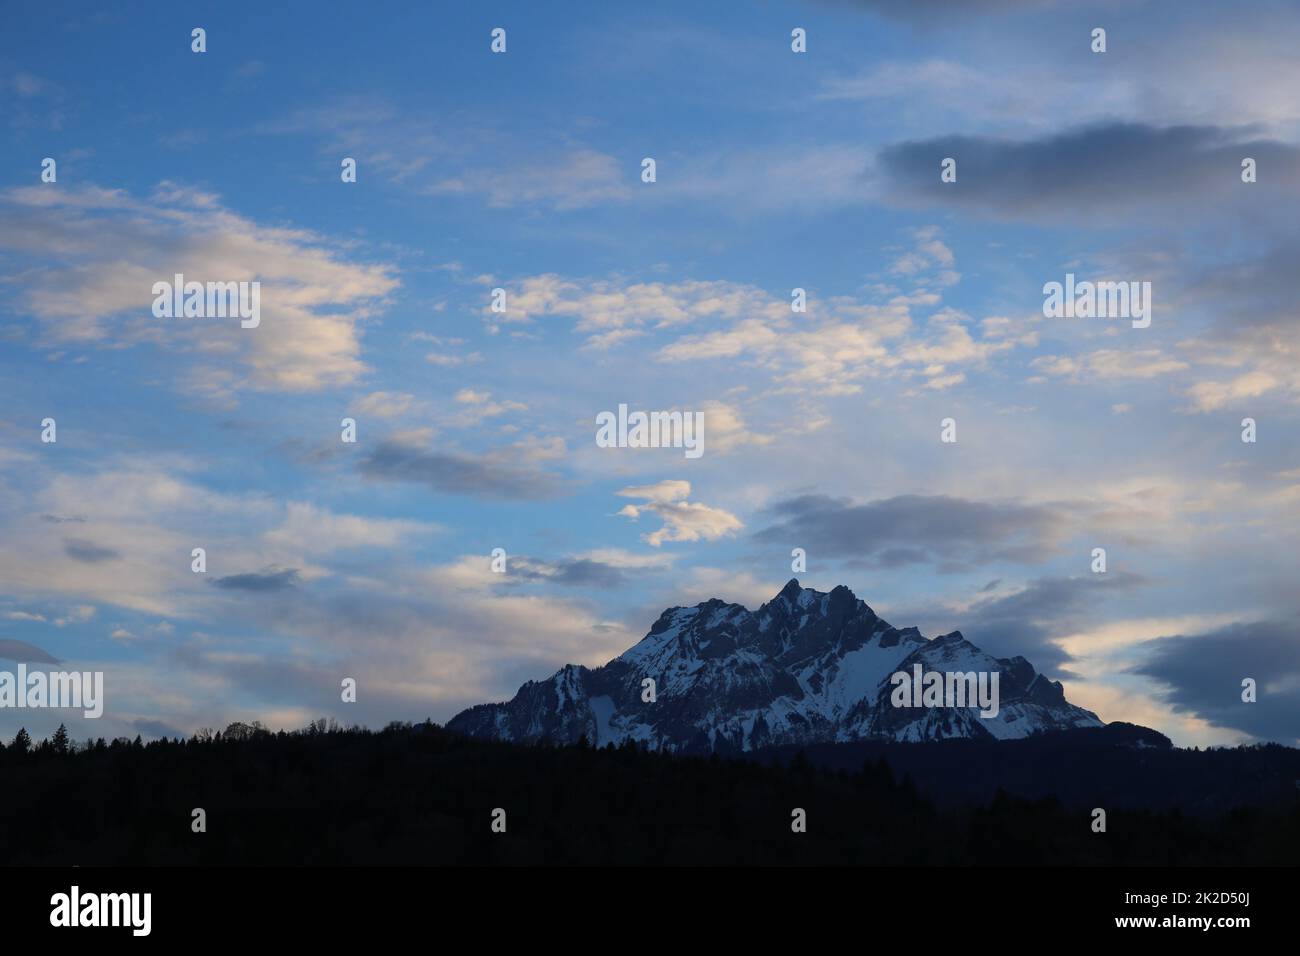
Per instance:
(586,573)
(63,519)
(303,453)
(898,557)
(259,581)
(1104,169)
(81,550)
(1203,675)
(460,474)
(1027,622)
(22,651)
(275,678)
(581,572)
(914,529)
(1252,293)
(1248,310)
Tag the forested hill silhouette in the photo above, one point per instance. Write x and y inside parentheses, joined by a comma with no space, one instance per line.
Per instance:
(420,794)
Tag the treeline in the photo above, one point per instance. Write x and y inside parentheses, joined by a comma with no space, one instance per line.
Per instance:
(418,794)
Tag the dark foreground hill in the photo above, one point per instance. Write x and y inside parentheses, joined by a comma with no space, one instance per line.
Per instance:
(423,795)
(1117,766)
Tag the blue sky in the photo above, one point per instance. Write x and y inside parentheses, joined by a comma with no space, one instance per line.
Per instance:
(521,171)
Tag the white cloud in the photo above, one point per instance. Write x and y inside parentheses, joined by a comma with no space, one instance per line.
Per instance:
(308,530)
(385,404)
(725,429)
(611,310)
(479,406)
(568,180)
(1104,364)
(845,342)
(682,520)
(23,616)
(1211,396)
(103,250)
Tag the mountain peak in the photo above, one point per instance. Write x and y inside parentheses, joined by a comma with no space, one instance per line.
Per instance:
(808,667)
(791,590)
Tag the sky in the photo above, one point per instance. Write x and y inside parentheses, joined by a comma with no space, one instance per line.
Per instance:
(476,429)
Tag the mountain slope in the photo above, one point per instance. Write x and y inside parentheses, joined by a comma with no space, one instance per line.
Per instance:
(806,667)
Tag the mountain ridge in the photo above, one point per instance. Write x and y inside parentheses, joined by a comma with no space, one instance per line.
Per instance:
(805,667)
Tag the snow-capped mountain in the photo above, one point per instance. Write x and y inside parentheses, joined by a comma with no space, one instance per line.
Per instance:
(806,667)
